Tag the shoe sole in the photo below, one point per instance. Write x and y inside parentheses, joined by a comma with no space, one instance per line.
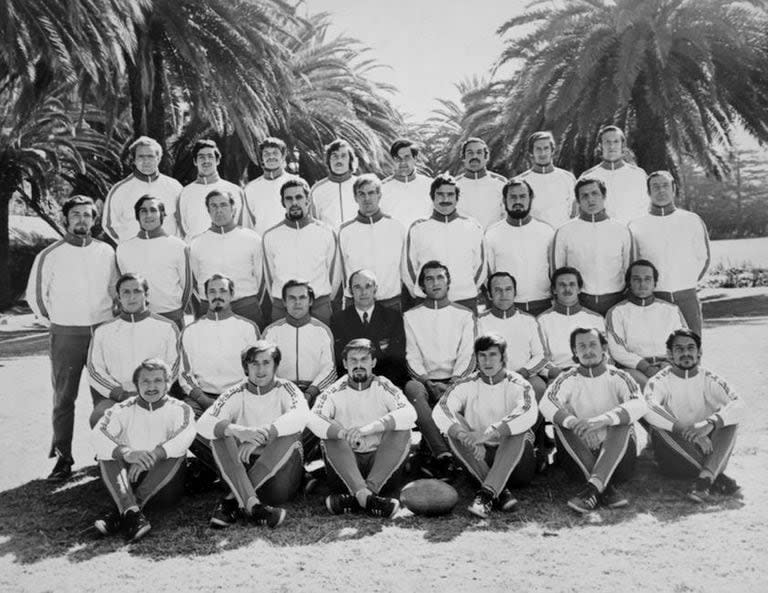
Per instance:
(696,497)
(619,504)
(101,527)
(141,532)
(509,505)
(478,513)
(279,520)
(219,523)
(579,509)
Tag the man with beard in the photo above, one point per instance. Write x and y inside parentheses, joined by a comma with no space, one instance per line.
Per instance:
(262,195)
(439,337)
(624,181)
(487,418)
(231,250)
(636,327)
(119,346)
(162,260)
(593,408)
(553,186)
(210,353)
(405,195)
(365,426)
(677,242)
(301,247)
(333,198)
(255,432)
(141,446)
(120,222)
(522,247)
(446,236)
(373,240)
(193,213)
(70,286)
(695,415)
(596,245)
(479,187)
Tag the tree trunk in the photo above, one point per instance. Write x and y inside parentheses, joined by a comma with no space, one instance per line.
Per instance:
(649,139)
(5,252)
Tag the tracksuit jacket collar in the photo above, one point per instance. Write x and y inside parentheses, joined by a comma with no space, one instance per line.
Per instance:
(683,374)
(496,312)
(359,386)
(298,322)
(298,224)
(641,302)
(274,174)
(476,174)
(220,230)
(153,234)
(218,316)
(203,180)
(599,217)
(613,165)
(661,210)
(408,179)
(256,390)
(543,168)
(375,217)
(135,317)
(433,304)
(340,178)
(443,218)
(519,221)
(148,178)
(77,240)
(497,378)
(142,403)
(572,310)
(593,371)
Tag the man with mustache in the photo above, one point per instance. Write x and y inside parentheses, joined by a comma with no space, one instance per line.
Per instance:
(71,286)
(120,222)
(405,195)
(365,424)
(479,187)
(141,447)
(593,407)
(522,246)
(262,195)
(301,247)
(695,416)
(333,197)
(596,245)
(162,260)
(453,239)
(228,249)
(553,186)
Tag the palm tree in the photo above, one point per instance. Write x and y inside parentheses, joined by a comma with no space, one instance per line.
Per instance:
(677,75)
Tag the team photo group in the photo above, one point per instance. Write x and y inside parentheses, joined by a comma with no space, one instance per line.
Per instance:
(466,325)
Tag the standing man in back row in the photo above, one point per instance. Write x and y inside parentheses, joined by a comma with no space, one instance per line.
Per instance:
(333,198)
(479,187)
(405,195)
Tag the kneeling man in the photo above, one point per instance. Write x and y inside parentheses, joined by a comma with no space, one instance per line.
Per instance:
(365,424)
(487,419)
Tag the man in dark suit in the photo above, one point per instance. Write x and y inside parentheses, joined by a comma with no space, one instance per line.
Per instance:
(367,319)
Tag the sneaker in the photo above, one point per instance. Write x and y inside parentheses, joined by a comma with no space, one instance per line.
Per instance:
(586,500)
(136,525)
(613,498)
(62,471)
(483,504)
(225,513)
(379,506)
(341,504)
(725,486)
(505,501)
(699,491)
(263,514)
(110,524)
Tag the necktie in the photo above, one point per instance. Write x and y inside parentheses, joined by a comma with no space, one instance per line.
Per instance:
(365,318)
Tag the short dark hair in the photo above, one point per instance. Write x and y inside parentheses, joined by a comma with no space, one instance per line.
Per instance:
(640,262)
(292,283)
(562,272)
(294,182)
(433,264)
(205,143)
(469,141)
(660,173)
(587,330)
(218,192)
(132,276)
(683,333)
(514,182)
(358,344)
(366,179)
(249,354)
(586,181)
(272,142)
(488,341)
(151,364)
(146,198)
(227,279)
(78,201)
(540,135)
(500,274)
(338,144)
(401,143)
(443,179)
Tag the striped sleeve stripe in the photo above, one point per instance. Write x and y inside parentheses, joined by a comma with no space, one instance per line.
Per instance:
(706,243)
(187,291)
(634,388)
(104,422)
(224,398)
(185,421)
(556,387)
(39,277)
(527,402)
(609,325)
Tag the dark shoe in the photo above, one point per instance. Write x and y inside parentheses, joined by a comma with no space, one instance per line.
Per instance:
(586,500)
(62,471)
(379,506)
(445,468)
(225,513)
(483,504)
(263,514)
(725,486)
(110,524)
(699,491)
(341,504)
(136,525)
(505,501)
(612,498)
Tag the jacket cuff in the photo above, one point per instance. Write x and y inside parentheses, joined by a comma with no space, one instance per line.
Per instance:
(272,432)
(221,426)
(453,430)
(642,365)
(160,453)
(503,429)
(120,452)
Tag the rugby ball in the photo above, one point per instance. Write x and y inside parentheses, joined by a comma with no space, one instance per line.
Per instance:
(429,497)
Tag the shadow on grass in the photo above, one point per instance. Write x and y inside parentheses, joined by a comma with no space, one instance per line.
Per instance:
(40,521)
(720,305)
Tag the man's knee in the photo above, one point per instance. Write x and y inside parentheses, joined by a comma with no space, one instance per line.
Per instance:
(415,391)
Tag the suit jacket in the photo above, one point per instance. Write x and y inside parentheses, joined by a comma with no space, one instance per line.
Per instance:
(385,330)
